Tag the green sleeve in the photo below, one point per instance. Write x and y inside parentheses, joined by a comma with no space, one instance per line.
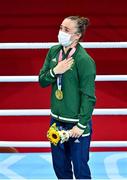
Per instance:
(46,75)
(87,74)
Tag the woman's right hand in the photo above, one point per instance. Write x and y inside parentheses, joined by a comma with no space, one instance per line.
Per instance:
(63,66)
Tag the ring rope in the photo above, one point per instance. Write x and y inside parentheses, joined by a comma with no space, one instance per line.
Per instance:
(47,45)
(46,112)
(35,78)
(46,144)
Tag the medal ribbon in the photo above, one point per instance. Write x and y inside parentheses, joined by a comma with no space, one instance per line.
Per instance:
(59,77)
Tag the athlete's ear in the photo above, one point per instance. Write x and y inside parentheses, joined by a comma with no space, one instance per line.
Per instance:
(78,36)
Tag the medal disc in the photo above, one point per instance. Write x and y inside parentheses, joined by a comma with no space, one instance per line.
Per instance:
(59,94)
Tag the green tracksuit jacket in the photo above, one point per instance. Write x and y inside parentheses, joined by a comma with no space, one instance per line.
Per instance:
(78,86)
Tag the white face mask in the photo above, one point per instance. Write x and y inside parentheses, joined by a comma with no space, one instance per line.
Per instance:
(64,38)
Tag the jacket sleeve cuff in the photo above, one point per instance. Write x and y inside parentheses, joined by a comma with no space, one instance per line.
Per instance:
(52,73)
(81,126)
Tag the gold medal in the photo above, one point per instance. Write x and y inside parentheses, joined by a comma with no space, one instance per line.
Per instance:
(59,94)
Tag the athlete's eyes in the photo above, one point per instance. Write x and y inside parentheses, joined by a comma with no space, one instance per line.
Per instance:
(64,29)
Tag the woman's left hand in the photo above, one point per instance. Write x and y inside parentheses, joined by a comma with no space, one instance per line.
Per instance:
(76,132)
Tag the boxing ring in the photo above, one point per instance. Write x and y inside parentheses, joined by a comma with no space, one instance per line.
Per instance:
(104,165)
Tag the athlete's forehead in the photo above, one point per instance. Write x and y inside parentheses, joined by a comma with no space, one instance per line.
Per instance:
(69,25)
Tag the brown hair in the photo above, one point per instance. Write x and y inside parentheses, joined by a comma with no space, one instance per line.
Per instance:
(82,23)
